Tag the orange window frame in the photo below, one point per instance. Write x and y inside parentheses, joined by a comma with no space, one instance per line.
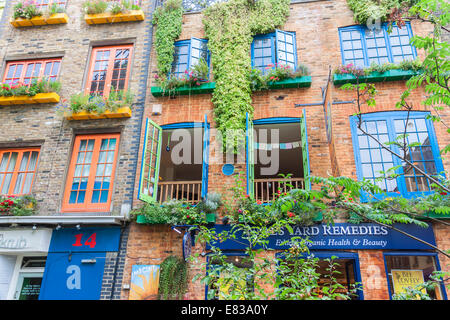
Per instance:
(16,170)
(22,76)
(88,205)
(109,70)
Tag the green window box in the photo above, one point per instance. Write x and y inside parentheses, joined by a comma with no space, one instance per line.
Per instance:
(301,82)
(390,75)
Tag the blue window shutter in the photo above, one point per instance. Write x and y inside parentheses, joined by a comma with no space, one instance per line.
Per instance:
(151,155)
(180,58)
(205,158)
(250,161)
(286,48)
(305,156)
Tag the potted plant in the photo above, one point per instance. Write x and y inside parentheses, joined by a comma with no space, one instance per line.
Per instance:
(209,206)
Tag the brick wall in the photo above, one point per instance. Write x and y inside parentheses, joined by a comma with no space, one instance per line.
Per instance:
(39,125)
(316,25)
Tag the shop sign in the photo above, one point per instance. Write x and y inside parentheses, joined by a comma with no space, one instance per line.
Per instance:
(402,279)
(343,236)
(25,240)
(144,282)
(76,261)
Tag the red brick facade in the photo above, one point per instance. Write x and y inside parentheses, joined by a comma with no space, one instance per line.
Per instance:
(316,25)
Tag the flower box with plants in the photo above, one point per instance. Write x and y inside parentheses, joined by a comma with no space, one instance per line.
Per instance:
(193,81)
(101,11)
(376,73)
(39,91)
(84,106)
(27,14)
(172,212)
(210,206)
(17,205)
(280,76)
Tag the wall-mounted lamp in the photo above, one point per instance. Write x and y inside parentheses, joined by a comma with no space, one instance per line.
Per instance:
(157,109)
(78,227)
(34,227)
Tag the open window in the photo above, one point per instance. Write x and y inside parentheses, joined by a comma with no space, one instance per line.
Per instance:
(277,156)
(175,162)
(279,47)
(188,53)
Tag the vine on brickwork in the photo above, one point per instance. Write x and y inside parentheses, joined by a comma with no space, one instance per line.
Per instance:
(368,11)
(168,18)
(230,27)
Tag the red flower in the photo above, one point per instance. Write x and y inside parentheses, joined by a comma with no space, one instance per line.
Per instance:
(290,214)
(443,193)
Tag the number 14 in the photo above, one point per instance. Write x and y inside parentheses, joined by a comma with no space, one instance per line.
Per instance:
(89,242)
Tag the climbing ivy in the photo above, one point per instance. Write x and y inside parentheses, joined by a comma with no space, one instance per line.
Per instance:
(370,10)
(168,19)
(229,27)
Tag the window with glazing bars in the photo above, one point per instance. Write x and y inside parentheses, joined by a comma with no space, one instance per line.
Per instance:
(91,173)
(279,47)
(25,71)
(17,170)
(363,47)
(421,150)
(109,70)
(187,54)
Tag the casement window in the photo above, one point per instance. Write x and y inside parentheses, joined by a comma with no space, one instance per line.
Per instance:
(371,159)
(44,5)
(25,71)
(175,162)
(187,54)
(17,170)
(267,158)
(109,70)
(279,47)
(363,47)
(91,172)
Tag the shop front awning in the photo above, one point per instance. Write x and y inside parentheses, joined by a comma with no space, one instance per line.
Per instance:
(62,220)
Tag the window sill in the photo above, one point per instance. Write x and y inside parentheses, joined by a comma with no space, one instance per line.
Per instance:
(390,75)
(57,18)
(102,18)
(124,112)
(301,82)
(50,97)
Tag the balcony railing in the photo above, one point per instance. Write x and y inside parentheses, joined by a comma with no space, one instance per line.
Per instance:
(265,189)
(188,191)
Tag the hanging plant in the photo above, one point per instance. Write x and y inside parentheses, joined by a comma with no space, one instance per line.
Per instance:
(371,10)
(168,19)
(230,27)
(172,278)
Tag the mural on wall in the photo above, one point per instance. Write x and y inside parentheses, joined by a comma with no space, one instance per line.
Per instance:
(144,282)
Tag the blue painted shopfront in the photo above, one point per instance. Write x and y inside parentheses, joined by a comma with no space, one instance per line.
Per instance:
(76,261)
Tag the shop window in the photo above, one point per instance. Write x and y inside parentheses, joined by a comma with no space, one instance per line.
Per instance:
(371,159)
(279,47)
(91,173)
(17,170)
(221,281)
(45,5)
(362,47)
(175,162)
(25,71)
(408,269)
(188,53)
(109,70)
(29,278)
(347,272)
(277,156)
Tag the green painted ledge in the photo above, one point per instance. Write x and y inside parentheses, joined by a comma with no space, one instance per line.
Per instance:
(390,75)
(301,82)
